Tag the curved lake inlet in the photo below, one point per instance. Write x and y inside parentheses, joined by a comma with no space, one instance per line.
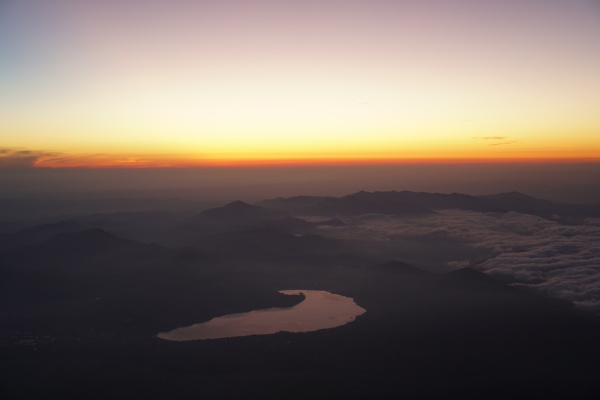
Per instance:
(319,310)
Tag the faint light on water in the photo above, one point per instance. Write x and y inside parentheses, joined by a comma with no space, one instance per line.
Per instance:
(319,310)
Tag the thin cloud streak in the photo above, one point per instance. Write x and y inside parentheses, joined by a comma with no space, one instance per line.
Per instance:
(24,159)
(16,158)
(503,143)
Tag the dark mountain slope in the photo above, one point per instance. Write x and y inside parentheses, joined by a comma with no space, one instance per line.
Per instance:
(234,216)
(270,245)
(40,233)
(94,283)
(88,249)
(138,226)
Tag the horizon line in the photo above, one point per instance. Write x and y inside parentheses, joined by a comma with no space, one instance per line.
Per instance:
(308,162)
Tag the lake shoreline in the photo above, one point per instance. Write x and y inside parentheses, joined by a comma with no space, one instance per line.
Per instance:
(319,310)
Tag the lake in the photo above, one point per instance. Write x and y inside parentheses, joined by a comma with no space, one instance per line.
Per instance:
(319,310)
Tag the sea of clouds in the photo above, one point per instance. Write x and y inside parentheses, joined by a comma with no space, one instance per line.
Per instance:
(562,261)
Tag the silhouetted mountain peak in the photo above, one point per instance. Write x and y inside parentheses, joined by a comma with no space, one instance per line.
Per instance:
(240,205)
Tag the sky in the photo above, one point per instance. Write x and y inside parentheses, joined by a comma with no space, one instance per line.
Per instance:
(180,83)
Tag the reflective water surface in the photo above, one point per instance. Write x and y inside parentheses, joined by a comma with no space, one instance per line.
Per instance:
(319,310)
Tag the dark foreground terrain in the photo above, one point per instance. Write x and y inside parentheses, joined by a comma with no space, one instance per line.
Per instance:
(80,307)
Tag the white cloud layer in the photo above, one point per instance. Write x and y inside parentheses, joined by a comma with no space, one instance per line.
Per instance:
(558,260)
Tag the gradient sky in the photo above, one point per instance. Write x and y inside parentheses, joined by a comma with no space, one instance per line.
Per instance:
(182,82)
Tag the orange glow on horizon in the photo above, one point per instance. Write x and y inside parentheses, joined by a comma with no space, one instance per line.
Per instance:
(99,162)
(256,83)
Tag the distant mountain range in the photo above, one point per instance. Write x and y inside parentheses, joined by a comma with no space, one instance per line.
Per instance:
(286,215)
(419,203)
